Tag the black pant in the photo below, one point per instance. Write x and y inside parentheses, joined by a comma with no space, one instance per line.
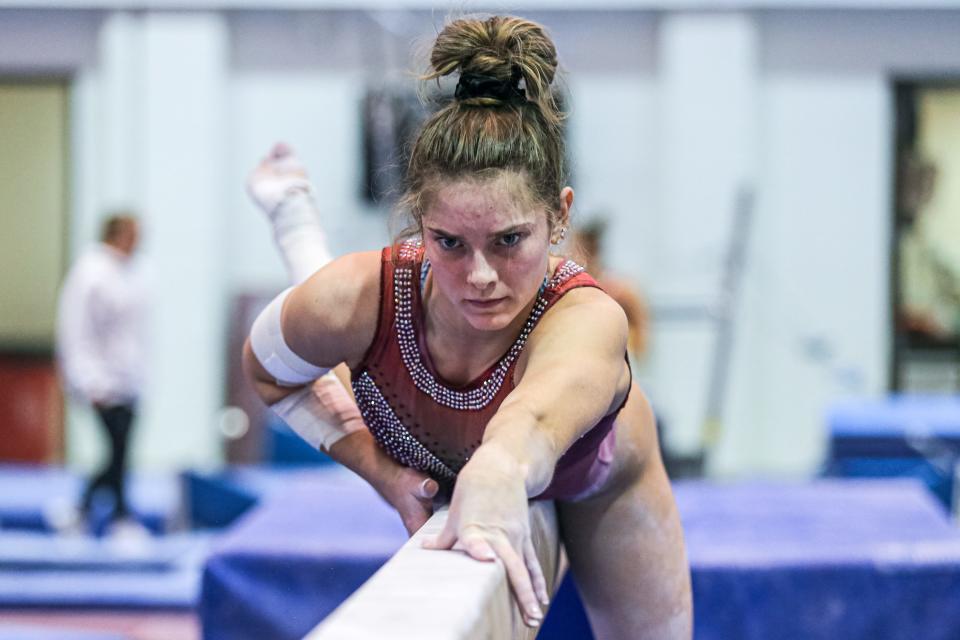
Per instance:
(117,420)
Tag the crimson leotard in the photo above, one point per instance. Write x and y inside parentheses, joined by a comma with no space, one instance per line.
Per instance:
(430,425)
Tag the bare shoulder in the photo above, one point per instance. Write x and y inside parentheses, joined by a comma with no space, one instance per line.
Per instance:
(585,326)
(332,316)
(588,311)
(580,343)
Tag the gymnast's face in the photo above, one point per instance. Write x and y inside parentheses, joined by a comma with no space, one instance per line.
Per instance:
(488,242)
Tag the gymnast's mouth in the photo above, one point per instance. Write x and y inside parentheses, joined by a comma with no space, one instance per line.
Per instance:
(489,303)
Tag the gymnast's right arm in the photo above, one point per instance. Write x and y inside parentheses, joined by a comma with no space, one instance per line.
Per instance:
(329,319)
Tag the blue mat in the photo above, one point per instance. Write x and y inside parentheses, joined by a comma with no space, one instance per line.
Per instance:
(935,474)
(896,427)
(913,436)
(45,571)
(294,559)
(897,416)
(869,559)
(216,499)
(28,491)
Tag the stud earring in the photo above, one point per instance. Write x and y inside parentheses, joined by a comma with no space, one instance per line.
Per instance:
(563,234)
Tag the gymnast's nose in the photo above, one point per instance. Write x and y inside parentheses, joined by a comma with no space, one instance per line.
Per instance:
(482,274)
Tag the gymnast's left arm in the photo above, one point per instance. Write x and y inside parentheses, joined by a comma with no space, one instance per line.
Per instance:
(575,374)
(325,414)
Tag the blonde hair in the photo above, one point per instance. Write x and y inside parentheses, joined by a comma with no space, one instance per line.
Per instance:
(481,136)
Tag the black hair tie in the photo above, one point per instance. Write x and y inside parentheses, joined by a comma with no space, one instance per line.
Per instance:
(477,85)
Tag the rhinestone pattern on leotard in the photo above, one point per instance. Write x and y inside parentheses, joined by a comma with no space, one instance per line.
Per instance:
(377,412)
(389,431)
(407,339)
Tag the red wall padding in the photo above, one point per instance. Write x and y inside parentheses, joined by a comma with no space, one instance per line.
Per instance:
(31,410)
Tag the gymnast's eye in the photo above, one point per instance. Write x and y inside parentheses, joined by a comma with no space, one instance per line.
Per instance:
(447,243)
(511,239)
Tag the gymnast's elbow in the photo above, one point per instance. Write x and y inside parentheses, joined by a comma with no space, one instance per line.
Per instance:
(260,379)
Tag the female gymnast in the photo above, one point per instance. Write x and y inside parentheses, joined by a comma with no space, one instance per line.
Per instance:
(482,361)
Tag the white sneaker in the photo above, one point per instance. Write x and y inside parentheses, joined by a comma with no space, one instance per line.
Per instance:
(65,519)
(126,536)
(128,528)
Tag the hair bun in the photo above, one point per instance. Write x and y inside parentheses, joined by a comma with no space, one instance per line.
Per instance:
(504,120)
(501,49)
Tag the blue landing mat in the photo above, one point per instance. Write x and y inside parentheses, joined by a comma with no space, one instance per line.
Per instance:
(218,498)
(44,571)
(292,560)
(39,552)
(871,560)
(914,436)
(852,559)
(897,416)
(28,491)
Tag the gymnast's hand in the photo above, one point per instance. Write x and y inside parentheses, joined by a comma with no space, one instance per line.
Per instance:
(411,493)
(278,174)
(489,518)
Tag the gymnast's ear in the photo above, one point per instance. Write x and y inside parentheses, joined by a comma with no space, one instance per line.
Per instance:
(566,203)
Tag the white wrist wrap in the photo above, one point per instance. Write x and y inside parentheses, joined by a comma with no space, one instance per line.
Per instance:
(299,236)
(266,340)
(322,413)
(269,193)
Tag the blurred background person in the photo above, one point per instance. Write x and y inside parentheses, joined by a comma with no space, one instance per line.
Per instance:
(929,281)
(588,249)
(101,347)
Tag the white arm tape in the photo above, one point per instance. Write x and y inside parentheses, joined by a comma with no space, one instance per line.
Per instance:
(322,413)
(298,234)
(266,340)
